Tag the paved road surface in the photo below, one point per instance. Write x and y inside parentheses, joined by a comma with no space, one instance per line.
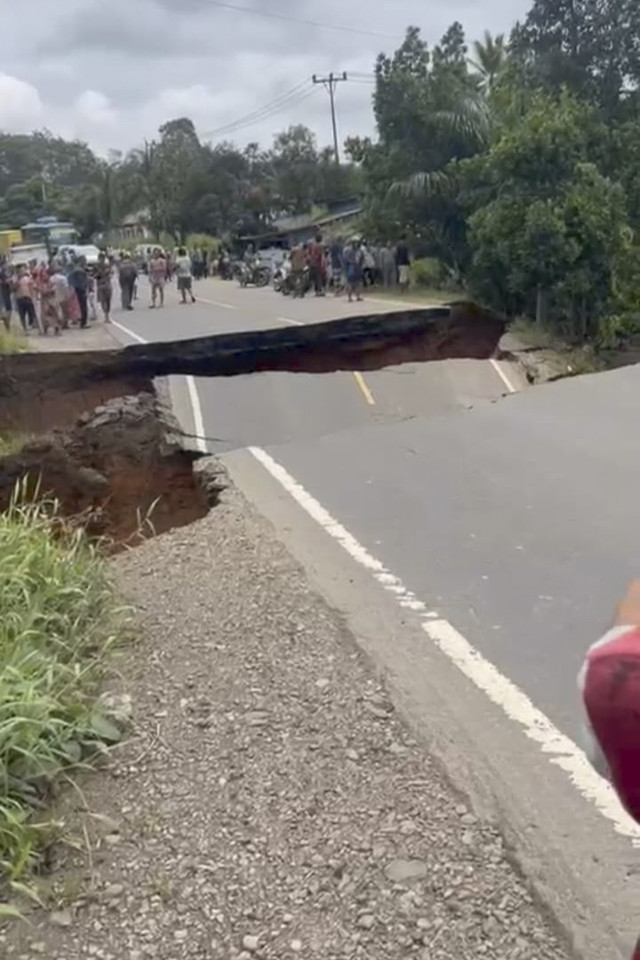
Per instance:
(505,518)
(280,408)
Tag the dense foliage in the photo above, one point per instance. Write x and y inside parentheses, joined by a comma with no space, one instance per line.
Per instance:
(182,185)
(515,165)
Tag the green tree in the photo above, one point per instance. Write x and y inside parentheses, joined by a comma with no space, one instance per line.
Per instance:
(294,159)
(546,238)
(591,46)
(430,115)
(490,59)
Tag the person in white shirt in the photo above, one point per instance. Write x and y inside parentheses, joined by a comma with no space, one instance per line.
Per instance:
(185,275)
(61,293)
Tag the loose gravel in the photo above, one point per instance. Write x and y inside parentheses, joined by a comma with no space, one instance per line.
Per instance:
(271,803)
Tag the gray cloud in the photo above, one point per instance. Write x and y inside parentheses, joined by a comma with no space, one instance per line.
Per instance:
(151,59)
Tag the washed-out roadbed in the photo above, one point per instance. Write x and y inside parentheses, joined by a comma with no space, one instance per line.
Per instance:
(271,802)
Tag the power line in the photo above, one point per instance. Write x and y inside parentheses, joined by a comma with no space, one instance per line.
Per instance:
(294,96)
(330,83)
(269,14)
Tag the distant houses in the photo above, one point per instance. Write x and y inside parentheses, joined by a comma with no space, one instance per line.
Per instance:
(133,227)
(289,231)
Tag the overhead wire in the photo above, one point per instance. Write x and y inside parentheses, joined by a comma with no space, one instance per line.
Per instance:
(327,25)
(288,99)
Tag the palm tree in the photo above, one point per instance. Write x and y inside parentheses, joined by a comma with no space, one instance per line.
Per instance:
(491,56)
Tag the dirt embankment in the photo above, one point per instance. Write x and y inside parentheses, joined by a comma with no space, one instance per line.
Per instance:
(121,468)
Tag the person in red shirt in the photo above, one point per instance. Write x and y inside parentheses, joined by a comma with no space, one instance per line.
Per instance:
(610,686)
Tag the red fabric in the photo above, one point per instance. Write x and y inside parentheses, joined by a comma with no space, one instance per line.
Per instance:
(316,255)
(612,700)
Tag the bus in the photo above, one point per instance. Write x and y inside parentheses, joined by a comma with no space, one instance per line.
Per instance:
(49,231)
(8,239)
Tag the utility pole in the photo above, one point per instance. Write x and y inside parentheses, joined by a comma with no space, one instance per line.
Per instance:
(330,83)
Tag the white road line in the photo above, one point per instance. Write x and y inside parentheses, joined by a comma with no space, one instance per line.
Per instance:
(198,421)
(129,333)
(516,705)
(503,376)
(217,303)
(295,323)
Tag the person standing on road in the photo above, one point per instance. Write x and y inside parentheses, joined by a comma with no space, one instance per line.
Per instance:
(317,266)
(157,277)
(127,274)
(185,275)
(104,287)
(403,263)
(353,258)
(25,299)
(49,312)
(388,266)
(60,287)
(79,282)
(298,267)
(6,305)
(337,266)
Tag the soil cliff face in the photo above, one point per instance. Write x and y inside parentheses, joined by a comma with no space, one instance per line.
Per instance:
(121,468)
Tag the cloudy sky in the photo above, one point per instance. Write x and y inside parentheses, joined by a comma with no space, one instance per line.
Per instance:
(112,72)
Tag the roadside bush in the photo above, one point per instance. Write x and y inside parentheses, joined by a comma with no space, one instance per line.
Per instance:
(427,272)
(11,342)
(203,241)
(58,622)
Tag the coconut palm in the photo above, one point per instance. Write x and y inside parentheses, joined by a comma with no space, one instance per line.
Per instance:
(491,56)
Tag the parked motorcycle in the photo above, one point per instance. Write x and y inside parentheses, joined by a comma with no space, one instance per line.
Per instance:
(300,284)
(280,280)
(255,274)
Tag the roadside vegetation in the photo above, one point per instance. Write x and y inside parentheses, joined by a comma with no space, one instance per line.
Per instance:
(11,342)
(59,623)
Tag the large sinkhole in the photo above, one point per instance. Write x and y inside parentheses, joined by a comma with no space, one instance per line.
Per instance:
(120,469)
(121,466)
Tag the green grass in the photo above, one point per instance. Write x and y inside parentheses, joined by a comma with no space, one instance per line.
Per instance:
(11,443)
(11,342)
(59,620)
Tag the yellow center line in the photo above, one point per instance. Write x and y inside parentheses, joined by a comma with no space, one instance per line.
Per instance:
(366,392)
(362,383)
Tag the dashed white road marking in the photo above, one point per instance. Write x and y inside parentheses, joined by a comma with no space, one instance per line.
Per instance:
(218,303)
(129,333)
(514,703)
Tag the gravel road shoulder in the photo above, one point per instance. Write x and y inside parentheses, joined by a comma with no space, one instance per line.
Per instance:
(271,802)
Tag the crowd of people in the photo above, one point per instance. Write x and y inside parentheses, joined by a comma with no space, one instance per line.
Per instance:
(347,267)
(68,292)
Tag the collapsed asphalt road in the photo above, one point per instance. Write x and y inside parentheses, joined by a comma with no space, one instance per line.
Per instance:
(476,548)
(412,499)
